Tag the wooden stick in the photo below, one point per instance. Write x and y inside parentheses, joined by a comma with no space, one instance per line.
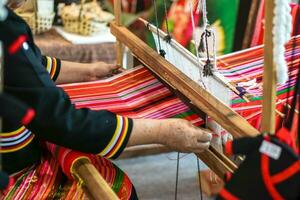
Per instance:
(93,183)
(222,114)
(269,76)
(119,50)
(251,23)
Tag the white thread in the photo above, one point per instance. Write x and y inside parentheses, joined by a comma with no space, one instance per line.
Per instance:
(196,44)
(204,13)
(281,34)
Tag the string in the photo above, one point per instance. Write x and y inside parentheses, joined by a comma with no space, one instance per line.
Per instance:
(177,174)
(194,38)
(199,178)
(204,14)
(161,51)
(181,157)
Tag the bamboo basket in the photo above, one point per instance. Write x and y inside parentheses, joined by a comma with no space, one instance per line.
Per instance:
(85,19)
(38,22)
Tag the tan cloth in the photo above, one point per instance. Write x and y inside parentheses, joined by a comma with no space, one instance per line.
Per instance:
(52,44)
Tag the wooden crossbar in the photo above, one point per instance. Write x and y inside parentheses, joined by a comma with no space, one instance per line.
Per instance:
(221,113)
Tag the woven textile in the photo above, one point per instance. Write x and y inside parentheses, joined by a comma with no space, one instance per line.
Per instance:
(46,180)
(246,69)
(136,93)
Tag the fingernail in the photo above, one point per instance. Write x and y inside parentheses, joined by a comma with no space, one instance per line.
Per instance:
(209,136)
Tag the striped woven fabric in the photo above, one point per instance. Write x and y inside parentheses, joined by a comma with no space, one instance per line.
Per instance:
(246,69)
(47,181)
(136,93)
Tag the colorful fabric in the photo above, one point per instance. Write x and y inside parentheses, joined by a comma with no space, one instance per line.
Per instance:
(258,34)
(15,140)
(245,68)
(47,181)
(135,93)
(27,79)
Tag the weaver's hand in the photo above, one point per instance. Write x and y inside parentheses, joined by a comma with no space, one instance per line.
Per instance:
(101,69)
(183,136)
(177,134)
(72,72)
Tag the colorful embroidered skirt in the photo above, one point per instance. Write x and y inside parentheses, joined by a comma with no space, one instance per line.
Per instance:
(47,181)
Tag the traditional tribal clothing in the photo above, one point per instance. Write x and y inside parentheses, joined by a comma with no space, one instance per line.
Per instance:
(102,132)
(46,181)
(57,120)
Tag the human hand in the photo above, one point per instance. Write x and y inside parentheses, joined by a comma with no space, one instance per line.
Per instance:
(99,70)
(183,136)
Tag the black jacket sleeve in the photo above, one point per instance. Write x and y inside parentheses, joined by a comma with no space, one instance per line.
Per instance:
(58,121)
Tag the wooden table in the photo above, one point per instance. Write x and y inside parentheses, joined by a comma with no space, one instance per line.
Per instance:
(52,44)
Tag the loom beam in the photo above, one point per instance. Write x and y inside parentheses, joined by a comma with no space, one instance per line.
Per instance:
(222,114)
(198,96)
(92,182)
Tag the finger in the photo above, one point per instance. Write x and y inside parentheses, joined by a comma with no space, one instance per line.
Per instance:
(113,67)
(204,137)
(201,146)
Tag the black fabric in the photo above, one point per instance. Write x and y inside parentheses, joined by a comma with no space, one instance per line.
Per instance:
(12,109)
(247,182)
(56,119)
(59,122)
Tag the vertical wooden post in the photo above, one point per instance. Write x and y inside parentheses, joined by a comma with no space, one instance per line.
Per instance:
(117,12)
(269,76)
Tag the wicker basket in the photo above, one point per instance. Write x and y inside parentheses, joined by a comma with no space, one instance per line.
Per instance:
(85,19)
(43,23)
(38,22)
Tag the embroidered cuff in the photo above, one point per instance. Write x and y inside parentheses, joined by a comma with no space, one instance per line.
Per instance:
(120,138)
(52,65)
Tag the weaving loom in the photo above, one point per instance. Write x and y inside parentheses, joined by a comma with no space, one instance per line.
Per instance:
(164,92)
(138,93)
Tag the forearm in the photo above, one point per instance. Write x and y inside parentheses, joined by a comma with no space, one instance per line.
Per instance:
(71,72)
(177,134)
(146,131)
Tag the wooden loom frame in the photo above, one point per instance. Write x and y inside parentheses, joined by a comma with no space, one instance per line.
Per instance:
(235,124)
(199,97)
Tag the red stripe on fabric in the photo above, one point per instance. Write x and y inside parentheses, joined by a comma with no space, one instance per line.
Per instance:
(28,116)
(225,194)
(287,173)
(267,178)
(228,148)
(16,45)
